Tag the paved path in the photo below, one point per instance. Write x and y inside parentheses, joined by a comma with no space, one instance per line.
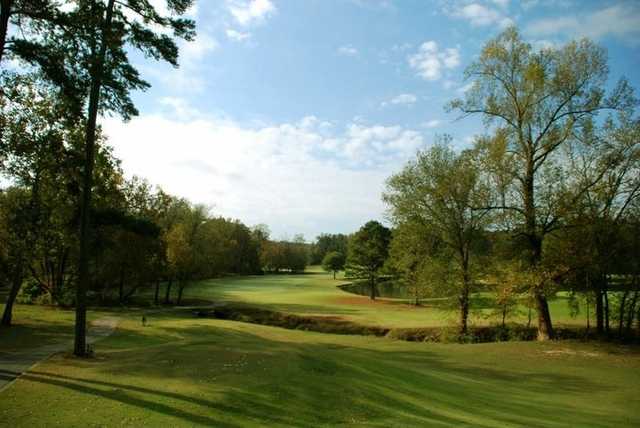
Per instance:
(13,364)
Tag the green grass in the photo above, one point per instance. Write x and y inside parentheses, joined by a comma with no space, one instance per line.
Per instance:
(185,371)
(316,293)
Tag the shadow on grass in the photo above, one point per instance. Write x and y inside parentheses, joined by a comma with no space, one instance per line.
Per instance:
(8,375)
(276,382)
(27,336)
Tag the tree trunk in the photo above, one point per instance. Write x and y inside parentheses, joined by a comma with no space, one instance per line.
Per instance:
(588,314)
(632,313)
(464,298)
(5,14)
(545,327)
(16,283)
(373,289)
(599,312)
(334,274)
(167,293)
(180,290)
(621,313)
(155,296)
(606,312)
(80,342)
(121,287)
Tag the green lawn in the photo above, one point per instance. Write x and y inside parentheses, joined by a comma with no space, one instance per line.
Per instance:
(316,293)
(185,371)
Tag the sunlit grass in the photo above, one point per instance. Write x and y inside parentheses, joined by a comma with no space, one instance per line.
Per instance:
(194,372)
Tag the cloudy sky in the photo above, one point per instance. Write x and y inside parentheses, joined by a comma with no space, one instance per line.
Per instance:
(294,112)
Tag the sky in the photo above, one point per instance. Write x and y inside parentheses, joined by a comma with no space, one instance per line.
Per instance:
(293,113)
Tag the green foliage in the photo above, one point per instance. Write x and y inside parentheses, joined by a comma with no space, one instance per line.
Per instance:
(288,256)
(326,243)
(542,106)
(439,204)
(333,261)
(368,252)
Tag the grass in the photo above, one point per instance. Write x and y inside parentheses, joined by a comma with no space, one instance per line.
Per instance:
(194,372)
(315,293)
(186,371)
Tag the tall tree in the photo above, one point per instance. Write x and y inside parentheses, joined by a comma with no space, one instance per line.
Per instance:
(15,214)
(606,164)
(438,191)
(539,100)
(98,46)
(36,138)
(368,252)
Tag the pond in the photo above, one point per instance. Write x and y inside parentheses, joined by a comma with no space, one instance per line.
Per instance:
(388,288)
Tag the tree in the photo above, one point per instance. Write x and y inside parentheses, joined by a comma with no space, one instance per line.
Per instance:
(15,212)
(538,100)
(367,252)
(37,152)
(333,261)
(438,192)
(98,54)
(412,258)
(326,243)
(30,17)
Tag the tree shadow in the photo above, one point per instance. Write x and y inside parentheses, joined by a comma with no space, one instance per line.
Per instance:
(285,382)
(8,375)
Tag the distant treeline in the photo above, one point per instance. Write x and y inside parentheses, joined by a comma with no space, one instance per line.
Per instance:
(140,236)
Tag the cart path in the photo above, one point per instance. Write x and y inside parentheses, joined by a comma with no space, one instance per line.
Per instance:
(13,364)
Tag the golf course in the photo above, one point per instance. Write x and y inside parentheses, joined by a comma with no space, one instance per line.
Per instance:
(319,213)
(181,370)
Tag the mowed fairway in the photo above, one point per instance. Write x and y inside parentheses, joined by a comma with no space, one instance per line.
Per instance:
(316,293)
(185,371)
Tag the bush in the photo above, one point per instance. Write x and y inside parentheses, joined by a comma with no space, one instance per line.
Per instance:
(30,293)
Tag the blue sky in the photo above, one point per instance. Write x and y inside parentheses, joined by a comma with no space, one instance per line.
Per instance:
(294,112)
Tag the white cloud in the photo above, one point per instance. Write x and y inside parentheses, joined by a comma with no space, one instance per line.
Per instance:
(621,21)
(348,50)
(480,15)
(432,123)
(430,61)
(308,176)
(195,51)
(237,36)
(247,12)
(448,84)
(402,99)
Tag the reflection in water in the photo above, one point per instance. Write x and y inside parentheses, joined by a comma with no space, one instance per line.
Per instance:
(385,289)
